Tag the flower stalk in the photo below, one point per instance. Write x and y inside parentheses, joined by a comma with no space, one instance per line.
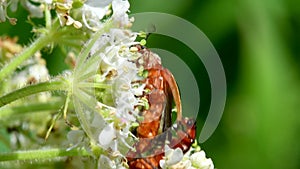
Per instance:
(43,154)
(52,34)
(28,52)
(52,105)
(33,89)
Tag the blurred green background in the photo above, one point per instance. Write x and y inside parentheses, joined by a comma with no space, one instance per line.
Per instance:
(259,45)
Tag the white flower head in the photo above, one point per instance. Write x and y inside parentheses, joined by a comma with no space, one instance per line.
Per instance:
(124,93)
(113,49)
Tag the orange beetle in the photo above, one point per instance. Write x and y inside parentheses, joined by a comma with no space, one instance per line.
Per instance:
(155,128)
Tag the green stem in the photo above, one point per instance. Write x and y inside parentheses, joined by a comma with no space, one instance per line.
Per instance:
(52,35)
(28,52)
(30,108)
(33,89)
(42,154)
(47,16)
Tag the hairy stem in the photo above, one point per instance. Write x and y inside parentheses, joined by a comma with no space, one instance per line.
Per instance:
(33,89)
(31,108)
(54,34)
(42,154)
(28,52)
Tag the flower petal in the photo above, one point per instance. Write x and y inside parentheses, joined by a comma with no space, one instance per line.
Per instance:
(107,135)
(176,157)
(98,3)
(120,6)
(199,160)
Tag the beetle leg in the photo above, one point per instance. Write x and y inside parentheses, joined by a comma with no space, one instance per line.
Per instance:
(175,92)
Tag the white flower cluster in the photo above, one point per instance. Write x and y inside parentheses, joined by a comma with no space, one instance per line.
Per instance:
(119,70)
(193,159)
(91,11)
(116,69)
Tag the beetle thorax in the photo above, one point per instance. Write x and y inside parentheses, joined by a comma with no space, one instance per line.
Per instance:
(149,60)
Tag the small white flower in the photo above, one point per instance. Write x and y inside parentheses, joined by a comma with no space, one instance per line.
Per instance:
(110,137)
(171,158)
(95,12)
(200,161)
(106,163)
(92,13)
(190,160)
(122,37)
(107,136)
(34,10)
(120,9)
